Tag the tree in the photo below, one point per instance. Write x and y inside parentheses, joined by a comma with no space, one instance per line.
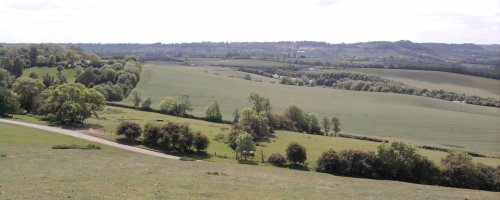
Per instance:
(28,90)
(48,80)
(201,142)
(255,123)
(276,159)
(296,153)
(296,115)
(244,145)
(212,112)
(186,138)
(236,116)
(130,130)
(151,134)
(32,55)
(146,104)
(397,160)
(136,99)
(8,102)
(327,125)
(184,105)
(87,77)
(459,170)
(73,103)
(5,79)
(167,105)
(336,125)
(18,67)
(259,103)
(312,124)
(51,61)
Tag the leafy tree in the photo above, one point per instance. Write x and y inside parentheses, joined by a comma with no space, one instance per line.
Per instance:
(296,115)
(186,138)
(28,90)
(255,123)
(459,170)
(236,116)
(167,105)
(397,159)
(296,153)
(146,104)
(5,79)
(201,142)
(48,80)
(51,61)
(184,106)
(136,99)
(212,112)
(336,125)
(18,67)
(32,55)
(130,130)
(276,159)
(259,103)
(73,103)
(327,125)
(87,77)
(8,102)
(312,124)
(244,145)
(151,134)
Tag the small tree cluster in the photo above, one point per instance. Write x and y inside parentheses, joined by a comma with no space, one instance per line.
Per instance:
(178,107)
(130,130)
(174,136)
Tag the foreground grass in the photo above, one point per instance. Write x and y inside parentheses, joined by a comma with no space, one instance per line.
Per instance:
(220,151)
(32,170)
(420,120)
(70,74)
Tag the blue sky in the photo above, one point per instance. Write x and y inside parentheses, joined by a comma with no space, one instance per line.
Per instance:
(334,21)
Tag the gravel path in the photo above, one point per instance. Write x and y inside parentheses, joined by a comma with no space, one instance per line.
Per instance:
(90,138)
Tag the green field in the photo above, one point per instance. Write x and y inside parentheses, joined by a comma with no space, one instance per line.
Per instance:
(420,120)
(70,74)
(32,170)
(236,62)
(470,85)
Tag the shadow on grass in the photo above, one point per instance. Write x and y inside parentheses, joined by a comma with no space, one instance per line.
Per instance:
(247,162)
(298,167)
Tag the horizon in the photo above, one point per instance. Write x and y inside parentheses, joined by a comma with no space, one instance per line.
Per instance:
(193,21)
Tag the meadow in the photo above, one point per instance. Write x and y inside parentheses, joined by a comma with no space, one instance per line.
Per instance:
(470,85)
(31,169)
(70,74)
(420,120)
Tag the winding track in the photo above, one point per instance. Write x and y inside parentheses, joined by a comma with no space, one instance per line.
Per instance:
(91,138)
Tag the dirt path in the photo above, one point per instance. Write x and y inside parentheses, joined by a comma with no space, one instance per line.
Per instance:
(90,138)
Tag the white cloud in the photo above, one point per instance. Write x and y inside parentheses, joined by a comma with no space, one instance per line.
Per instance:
(148,21)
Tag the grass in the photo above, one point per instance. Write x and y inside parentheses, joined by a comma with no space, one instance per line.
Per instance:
(236,62)
(70,74)
(470,85)
(32,170)
(420,120)
(220,152)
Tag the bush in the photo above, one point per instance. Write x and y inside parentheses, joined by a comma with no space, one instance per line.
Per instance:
(276,159)
(488,177)
(186,138)
(75,146)
(151,134)
(201,142)
(397,160)
(296,153)
(327,162)
(459,171)
(426,172)
(131,130)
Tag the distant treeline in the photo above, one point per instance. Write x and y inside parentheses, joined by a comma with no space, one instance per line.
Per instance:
(364,82)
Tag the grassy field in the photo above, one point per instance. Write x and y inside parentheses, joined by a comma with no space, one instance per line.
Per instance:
(32,170)
(470,85)
(419,120)
(236,62)
(112,116)
(70,74)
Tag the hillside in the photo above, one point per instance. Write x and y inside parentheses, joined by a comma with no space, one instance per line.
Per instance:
(417,119)
(116,174)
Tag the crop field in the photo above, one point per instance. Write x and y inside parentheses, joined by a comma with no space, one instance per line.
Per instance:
(52,71)
(470,85)
(419,120)
(32,170)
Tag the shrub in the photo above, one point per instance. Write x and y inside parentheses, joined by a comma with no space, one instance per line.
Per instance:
(276,159)
(488,177)
(459,171)
(201,142)
(296,153)
(397,160)
(75,146)
(186,138)
(131,130)
(327,162)
(151,134)
(426,172)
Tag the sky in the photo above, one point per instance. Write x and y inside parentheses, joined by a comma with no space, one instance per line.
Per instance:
(176,21)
